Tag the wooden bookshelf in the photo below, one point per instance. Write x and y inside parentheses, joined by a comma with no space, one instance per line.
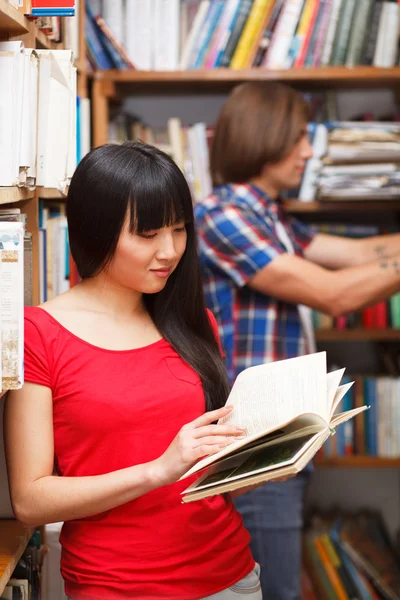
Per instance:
(9,195)
(358,334)
(14,538)
(298,207)
(358,462)
(322,77)
(12,21)
(49,194)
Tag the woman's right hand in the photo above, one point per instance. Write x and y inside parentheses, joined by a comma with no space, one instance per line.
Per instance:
(194,441)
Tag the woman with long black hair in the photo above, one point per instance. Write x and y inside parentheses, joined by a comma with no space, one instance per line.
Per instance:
(123,384)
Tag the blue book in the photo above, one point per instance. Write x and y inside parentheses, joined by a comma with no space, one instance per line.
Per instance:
(53,12)
(95,46)
(209,29)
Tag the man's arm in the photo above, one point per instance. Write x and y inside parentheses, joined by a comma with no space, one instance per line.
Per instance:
(300,281)
(336,252)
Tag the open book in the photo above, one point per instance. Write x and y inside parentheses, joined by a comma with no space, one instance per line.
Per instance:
(288,410)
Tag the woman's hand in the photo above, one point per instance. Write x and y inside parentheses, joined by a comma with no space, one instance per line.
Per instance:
(195,440)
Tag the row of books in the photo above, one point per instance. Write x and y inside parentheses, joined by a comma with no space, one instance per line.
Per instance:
(349,556)
(383,315)
(273,34)
(375,432)
(188,146)
(25,581)
(54,261)
(352,160)
(38,116)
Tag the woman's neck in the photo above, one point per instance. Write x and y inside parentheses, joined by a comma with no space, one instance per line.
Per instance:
(106,296)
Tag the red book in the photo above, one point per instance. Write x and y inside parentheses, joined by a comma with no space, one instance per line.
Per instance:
(381,315)
(53,3)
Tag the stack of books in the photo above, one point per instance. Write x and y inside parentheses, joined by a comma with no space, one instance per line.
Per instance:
(353,161)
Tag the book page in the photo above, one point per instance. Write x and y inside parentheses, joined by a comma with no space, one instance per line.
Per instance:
(256,461)
(333,380)
(269,395)
(191,493)
(340,393)
(300,426)
(345,416)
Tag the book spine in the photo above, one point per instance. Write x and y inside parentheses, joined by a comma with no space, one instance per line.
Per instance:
(250,32)
(343,33)
(330,34)
(220,36)
(281,40)
(372,36)
(268,33)
(209,30)
(240,22)
(358,33)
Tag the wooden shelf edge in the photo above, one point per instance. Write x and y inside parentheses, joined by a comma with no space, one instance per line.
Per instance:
(10,195)
(325,75)
(49,194)
(358,334)
(354,462)
(14,538)
(12,20)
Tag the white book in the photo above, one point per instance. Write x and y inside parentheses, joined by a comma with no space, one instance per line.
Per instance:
(57,116)
(194,34)
(32,124)
(113,13)
(85,126)
(388,32)
(139,33)
(12,303)
(175,139)
(283,34)
(330,33)
(8,150)
(166,35)
(287,410)
(309,182)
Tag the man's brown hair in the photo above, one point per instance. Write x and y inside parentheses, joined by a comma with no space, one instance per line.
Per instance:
(259,123)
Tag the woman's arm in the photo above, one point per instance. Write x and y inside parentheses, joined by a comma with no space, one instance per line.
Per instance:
(39,497)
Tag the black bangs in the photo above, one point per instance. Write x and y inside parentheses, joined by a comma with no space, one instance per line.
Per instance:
(160,197)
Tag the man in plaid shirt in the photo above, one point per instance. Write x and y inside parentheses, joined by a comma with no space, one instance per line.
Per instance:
(263,271)
(237,239)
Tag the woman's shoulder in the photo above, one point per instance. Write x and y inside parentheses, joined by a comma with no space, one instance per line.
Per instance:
(38,325)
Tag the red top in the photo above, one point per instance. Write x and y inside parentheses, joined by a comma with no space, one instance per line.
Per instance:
(114,409)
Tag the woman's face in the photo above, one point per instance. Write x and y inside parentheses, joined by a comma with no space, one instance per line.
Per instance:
(143,262)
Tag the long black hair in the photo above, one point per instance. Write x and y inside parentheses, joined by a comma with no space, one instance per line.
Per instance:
(136,179)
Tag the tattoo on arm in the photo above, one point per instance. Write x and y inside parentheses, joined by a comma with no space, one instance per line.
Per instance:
(386,264)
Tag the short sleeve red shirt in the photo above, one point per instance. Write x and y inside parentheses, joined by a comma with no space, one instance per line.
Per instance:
(111,410)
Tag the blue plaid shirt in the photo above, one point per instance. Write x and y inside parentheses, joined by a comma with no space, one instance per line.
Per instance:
(237,238)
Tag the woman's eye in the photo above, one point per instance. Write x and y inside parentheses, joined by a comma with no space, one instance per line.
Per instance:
(180,229)
(148,236)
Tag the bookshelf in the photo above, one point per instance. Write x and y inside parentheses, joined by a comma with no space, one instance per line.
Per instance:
(113,85)
(13,540)
(14,26)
